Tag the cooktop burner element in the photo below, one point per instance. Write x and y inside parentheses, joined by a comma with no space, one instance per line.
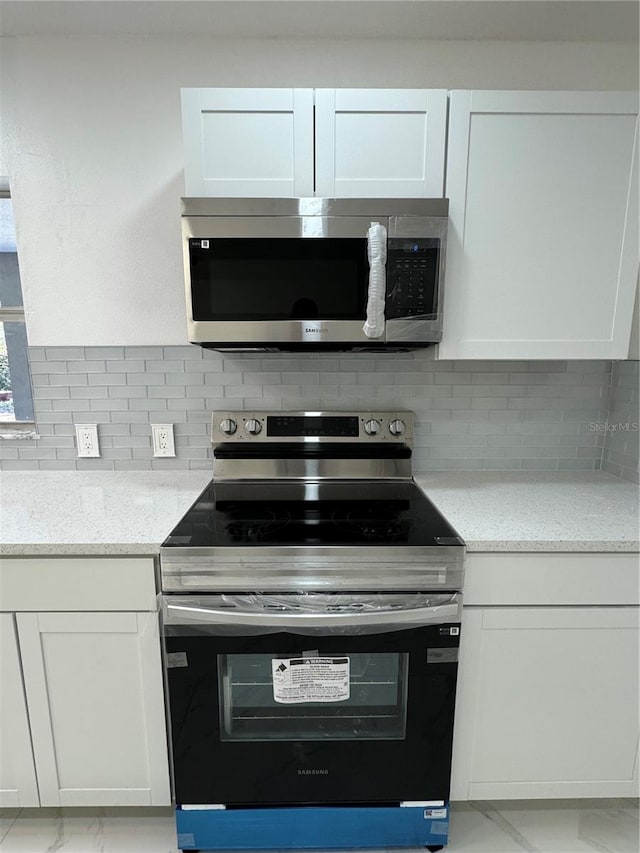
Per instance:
(372,524)
(312,500)
(256,526)
(395,513)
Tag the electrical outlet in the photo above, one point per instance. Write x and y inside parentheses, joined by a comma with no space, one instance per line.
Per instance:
(87,440)
(163,443)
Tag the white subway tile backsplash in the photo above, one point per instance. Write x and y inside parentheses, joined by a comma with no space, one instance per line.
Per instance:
(112,404)
(129,365)
(106,379)
(143,352)
(85,366)
(496,415)
(188,404)
(165,391)
(122,391)
(137,404)
(165,365)
(118,429)
(145,379)
(130,417)
(45,417)
(621,429)
(68,405)
(89,392)
(46,392)
(68,379)
(65,353)
(196,391)
(187,352)
(105,352)
(110,453)
(131,465)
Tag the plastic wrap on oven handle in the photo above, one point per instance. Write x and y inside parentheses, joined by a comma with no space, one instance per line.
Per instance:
(272,614)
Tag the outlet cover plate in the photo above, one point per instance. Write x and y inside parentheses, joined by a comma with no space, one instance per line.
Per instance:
(163,441)
(87,440)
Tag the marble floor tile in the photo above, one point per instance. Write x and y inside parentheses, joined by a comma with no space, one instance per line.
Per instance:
(7,819)
(91,831)
(571,826)
(579,829)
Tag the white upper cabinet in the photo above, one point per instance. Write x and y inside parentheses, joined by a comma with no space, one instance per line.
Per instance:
(248,142)
(380,143)
(351,143)
(542,255)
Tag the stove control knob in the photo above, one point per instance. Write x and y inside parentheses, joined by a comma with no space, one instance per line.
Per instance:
(228,426)
(397,427)
(253,426)
(372,427)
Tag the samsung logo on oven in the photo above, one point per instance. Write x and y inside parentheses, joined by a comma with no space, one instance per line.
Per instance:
(313,772)
(316,330)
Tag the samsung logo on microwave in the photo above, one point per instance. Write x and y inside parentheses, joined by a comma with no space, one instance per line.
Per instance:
(316,330)
(313,772)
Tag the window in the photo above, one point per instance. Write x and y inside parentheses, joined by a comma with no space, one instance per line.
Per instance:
(16,405)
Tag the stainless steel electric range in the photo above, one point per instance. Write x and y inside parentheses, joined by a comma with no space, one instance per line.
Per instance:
(311,618)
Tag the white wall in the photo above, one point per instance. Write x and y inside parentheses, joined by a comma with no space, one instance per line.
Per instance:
(92,138)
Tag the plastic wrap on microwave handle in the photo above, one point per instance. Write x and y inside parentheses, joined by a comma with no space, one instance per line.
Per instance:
(377,254)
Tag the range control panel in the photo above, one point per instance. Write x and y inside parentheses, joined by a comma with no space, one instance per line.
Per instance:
(412,277)
(312,427)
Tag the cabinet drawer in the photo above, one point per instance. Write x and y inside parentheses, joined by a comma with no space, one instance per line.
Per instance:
(77,583)
(552,579)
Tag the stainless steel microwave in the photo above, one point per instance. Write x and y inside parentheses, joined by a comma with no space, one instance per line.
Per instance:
(314,273)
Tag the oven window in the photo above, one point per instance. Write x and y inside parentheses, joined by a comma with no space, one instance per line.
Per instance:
(364,699)
(279,279)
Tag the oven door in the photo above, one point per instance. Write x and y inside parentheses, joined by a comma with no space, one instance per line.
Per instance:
(311,698)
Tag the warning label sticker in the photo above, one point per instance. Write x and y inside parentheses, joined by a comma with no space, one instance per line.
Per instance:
(313,679)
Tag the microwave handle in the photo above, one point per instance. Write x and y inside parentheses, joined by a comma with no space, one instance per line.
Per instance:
(377,254)
(417,616)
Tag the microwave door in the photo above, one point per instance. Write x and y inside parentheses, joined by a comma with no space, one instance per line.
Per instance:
(290,280)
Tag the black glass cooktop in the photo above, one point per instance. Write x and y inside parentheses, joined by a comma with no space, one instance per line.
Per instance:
(299,514)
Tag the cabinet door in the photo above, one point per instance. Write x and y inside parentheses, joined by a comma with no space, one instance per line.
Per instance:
(542,251)
(248,142)
(95,696)
(377,143)
(547,703)
(18,786)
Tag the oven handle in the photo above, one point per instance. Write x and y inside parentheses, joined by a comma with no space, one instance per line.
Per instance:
(438,614)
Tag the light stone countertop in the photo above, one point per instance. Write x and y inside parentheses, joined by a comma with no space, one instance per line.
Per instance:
(106,513)
(528,511)
(93,513)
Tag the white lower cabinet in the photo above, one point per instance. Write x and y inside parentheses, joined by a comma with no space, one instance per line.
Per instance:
(81,696)
(94,690)
(547,702)
(18,786)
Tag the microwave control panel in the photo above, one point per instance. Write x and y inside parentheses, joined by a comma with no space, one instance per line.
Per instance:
(412,277)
